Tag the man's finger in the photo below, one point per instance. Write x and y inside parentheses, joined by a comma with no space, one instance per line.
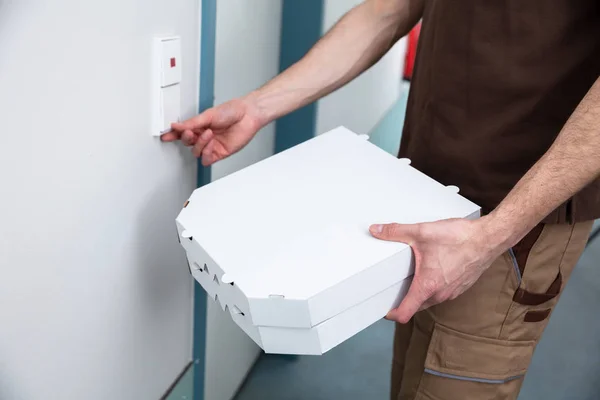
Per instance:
(208,156)
(200,121)
(427,304)
(202,141)
(395,232)
(413,301)
(170,136)
(394,315)
(188,138)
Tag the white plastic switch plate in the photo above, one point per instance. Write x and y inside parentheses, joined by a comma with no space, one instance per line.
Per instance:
(166,83)
(170,105)
(287,240)
(170,60)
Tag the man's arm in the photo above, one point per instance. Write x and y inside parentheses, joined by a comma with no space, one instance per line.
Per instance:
(451,255)
(353,45)
(568,166)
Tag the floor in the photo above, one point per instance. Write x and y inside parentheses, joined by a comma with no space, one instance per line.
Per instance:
(566,364)
(184,389)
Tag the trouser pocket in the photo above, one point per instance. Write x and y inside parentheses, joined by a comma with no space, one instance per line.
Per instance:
(462,367)
(537,261)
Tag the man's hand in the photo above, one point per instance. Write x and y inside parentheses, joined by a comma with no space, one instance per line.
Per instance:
(450,256)
(219,131)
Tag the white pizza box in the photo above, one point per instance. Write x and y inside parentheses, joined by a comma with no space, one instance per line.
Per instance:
(324,336)
(284,246)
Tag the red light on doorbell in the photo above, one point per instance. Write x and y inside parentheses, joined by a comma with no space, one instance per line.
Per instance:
(173,62)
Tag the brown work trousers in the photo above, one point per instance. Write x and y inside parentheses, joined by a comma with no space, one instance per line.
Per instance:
(479,345)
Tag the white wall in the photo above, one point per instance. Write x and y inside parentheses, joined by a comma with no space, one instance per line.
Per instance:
(361,104)
(247,55)
(95,298)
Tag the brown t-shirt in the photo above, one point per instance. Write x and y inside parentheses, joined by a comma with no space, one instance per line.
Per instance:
(494,83)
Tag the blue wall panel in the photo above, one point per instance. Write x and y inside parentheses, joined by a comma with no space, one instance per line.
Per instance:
(301,25)
(207,84)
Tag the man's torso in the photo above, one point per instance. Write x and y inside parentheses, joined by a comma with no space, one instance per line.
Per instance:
(494,83)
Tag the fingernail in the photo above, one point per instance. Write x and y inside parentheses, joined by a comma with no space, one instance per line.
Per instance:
(205,135)
(376,228)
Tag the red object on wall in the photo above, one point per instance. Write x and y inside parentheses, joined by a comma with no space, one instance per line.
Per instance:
(411,51)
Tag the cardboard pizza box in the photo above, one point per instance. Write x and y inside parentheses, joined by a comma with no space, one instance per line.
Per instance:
(284,246)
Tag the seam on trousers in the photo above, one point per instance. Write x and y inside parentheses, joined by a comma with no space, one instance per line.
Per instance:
(515,266)
(562,258)
(508,309)
(469,379)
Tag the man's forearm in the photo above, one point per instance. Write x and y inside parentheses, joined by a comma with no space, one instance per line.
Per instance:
(353,45)
(572,162)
